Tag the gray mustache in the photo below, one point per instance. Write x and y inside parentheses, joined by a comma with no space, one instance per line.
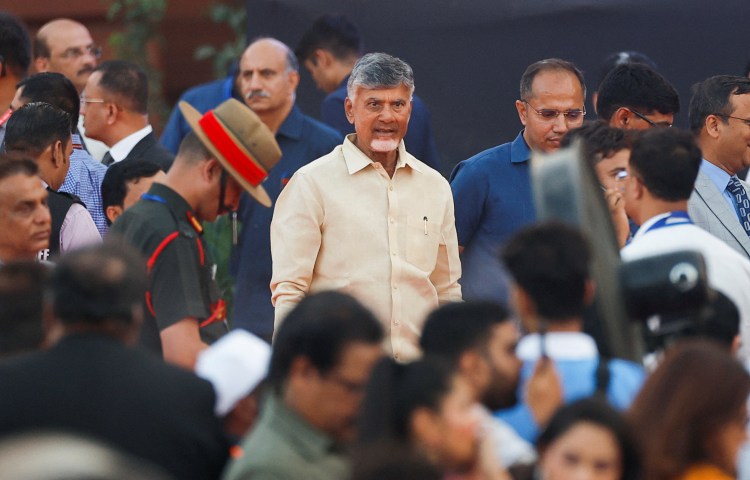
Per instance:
(257,94)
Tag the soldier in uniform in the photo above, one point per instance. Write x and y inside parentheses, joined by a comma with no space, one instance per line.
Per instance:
(228,149)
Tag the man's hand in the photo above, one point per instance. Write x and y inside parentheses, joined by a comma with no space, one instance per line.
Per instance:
(544,393)
(616,204)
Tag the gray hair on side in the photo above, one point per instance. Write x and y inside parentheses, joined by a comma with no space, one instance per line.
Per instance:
(380,70)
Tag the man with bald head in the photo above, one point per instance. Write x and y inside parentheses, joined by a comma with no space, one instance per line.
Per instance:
(65,46)
(268,78)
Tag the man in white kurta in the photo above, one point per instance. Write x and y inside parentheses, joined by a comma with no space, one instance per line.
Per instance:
(369,219)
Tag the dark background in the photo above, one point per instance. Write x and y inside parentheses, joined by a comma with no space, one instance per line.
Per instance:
(468,55)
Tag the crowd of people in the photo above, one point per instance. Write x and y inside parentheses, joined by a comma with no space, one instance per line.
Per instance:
(386,322)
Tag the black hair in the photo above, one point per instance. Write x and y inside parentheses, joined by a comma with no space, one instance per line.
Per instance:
(320,328)
(17,166)
(597,412)
(53,88)
(636,86)
(333,32)
(548,65)
(115,183)
(713,97)
(666,161)
(455,328)
(550,262)
(94,285)
(22,287)
(395,391)
(392,461)
(34,127)
(599,140)
(15,45)
(126,81)
(622,58)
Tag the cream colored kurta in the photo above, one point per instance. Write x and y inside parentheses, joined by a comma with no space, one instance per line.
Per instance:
(342,224)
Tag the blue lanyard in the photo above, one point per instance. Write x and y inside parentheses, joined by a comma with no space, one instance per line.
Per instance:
(678,217)
(153,198)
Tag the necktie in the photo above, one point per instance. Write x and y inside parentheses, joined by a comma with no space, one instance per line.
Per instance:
(741,200)
(108,160)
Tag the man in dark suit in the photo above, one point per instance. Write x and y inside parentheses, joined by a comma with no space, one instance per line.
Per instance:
(91,383)
(720,122)
(115,109)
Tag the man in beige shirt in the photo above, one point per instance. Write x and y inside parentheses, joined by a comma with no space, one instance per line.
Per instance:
(369,219)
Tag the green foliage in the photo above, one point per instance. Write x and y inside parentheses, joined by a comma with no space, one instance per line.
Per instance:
(231,13)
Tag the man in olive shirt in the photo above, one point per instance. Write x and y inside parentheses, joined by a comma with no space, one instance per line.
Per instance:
(322,357)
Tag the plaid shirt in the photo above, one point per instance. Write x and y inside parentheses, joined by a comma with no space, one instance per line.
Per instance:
(84,179)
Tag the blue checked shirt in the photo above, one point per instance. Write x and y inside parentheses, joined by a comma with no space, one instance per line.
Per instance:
(84,179)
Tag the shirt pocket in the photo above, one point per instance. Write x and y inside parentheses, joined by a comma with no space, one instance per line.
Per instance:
(423,239)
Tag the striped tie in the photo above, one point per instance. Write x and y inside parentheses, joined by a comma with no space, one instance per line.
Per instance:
(740,199)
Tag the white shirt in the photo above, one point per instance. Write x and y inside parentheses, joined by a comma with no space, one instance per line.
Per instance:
(728,271)
(121,149)
(343,224)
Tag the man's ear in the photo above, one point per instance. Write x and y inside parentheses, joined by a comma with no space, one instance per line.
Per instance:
(522,112)
(713,126)
(622,118)
(113,111)
(322,58)
(58,154)
(589,290)
(112,212)
(41,64)
(348,110)
(474,368)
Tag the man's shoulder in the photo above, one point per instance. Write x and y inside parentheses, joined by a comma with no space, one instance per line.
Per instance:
(144,223)
(494,158)
(327,164)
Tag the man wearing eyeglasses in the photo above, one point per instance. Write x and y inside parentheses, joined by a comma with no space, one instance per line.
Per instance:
(65,46)
(115,109)
(492,190)
(636,97)
(720,121)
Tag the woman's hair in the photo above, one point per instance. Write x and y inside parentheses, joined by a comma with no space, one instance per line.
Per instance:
(597,412)
(695,392)
(395,391)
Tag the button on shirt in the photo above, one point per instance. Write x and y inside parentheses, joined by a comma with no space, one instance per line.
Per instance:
(342,216)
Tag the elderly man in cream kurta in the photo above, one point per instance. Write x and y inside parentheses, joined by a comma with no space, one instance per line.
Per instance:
(369,219)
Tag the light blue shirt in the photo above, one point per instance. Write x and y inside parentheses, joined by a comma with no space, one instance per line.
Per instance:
(720,178)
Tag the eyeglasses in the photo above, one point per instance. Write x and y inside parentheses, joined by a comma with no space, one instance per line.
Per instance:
(746,120)
(649,121)
(75,53)
(549,115)
(85,100)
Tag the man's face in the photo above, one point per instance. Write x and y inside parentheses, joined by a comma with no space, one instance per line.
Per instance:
(208,209)
(644,121)
(71,52)
(24,217)
(320,74)
(95,108)
(504,367)
(734,135)
(264,80)
(550,90)
(613,170)
(339,391)
(380,117)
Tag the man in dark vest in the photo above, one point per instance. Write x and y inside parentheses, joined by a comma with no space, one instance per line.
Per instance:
(41,132)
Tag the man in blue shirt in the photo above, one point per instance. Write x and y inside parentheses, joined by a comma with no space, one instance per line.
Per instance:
(268,80)
(329,50)
(492,190)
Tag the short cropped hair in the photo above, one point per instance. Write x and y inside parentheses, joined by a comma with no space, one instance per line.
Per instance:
(53,88)
(636,86)
(333,32)
(550,262)
(126,81)
(17,166)
(115,183)
(624,57)
(599,140)
(455,328)
(713,97)
(34,127)
(320,328)
(547,65)
(380,70)
(666,161)
(98,284)
(15,45)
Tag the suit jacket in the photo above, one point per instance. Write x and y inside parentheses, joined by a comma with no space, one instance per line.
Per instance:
(710,211)
(150,149)
(95,386)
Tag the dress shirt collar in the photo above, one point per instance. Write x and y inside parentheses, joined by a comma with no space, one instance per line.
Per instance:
(718,177)
(647,224)
(559,346)
(356,159)
(292,125)
(121,149)
(519,150)
(309,442)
